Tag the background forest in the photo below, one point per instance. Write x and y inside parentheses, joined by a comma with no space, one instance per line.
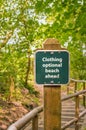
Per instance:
(26,24)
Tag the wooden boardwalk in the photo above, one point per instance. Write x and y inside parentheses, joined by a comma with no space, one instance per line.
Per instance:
(68,113)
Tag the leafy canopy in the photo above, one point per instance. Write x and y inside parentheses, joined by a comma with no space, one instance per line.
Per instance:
(25,24)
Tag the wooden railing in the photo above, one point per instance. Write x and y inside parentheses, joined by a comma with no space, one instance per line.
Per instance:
(76,83)
(33,115)
(77,114)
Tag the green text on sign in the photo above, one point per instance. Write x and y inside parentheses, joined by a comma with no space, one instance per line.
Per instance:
(52,67)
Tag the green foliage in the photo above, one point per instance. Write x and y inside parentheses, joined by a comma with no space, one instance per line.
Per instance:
(32,89)
(27,23)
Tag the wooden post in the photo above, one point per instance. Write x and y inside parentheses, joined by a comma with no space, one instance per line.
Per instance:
(84,98)
(75,89)
(35,123)
(52,96)
(68,89)
(76,111)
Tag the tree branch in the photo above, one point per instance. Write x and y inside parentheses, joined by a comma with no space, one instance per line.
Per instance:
(8,36)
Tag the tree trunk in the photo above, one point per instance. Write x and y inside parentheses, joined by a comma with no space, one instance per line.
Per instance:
(28,70)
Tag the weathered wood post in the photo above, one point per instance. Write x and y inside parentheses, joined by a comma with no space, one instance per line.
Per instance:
(51,70)
(35,123)
(52,96)
(76,111)
(84,97)
(75,89)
